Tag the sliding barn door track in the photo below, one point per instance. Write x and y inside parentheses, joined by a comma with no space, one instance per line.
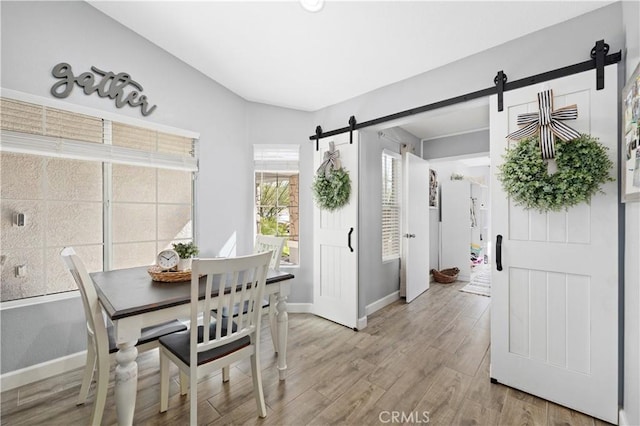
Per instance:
(599,59)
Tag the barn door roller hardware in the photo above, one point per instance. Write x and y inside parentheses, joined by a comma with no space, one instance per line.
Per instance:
(352,127)
(318,136)
(598,53)
(499,81)
(599,59)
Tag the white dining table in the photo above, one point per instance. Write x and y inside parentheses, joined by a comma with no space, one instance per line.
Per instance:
(132,300)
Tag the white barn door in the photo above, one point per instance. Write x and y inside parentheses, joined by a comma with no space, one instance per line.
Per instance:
(554,314)
(335,254)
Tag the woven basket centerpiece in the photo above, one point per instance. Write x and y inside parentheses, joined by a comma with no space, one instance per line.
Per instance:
(158,274)
(445,276)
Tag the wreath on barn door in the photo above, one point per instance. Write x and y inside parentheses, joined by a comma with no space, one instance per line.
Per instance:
(332,184)
(583,166)
(582,162)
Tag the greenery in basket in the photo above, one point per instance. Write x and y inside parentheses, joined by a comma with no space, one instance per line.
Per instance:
(186,250)
(332,192)
(583,166)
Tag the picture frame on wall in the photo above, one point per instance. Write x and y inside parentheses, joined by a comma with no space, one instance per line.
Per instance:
(631,138)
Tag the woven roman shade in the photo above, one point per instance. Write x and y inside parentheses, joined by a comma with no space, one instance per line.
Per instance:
(29,128)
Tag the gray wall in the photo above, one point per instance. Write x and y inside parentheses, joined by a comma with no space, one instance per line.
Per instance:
(451,146)
(38,35)
(377,279)
(631,402)
(273,125)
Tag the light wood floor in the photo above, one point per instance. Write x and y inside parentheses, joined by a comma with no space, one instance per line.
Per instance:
(429,356)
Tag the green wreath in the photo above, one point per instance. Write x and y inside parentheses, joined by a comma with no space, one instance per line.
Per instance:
(332,191)
(583,166)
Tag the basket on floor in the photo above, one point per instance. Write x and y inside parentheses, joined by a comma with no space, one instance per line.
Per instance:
(446,276)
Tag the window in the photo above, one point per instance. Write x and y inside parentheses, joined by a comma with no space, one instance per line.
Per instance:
(117,193)
(276,196)
(390,205)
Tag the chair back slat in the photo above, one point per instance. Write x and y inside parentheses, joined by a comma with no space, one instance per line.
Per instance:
(231,299)
(235,281)
(92,308)
(241,312)
(270,243)
(209,287)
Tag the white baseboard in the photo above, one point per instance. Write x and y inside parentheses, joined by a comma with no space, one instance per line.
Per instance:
(33,373)
(622,418)
(381,303)
(300,308)
(362,323)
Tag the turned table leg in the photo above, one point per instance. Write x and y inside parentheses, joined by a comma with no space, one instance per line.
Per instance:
(283,325)
(126,382)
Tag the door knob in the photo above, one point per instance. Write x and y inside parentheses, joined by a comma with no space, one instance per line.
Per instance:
(409,235)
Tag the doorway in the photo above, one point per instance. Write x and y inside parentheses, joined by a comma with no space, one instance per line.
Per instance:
(455,141)
(463,234)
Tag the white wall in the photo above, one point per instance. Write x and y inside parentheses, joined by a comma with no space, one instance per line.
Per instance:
(631,394)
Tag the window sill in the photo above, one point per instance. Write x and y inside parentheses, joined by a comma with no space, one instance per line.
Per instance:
(38,300)
(289,267)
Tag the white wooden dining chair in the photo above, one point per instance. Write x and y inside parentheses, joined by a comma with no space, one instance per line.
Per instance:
(100,337)
(236,282)
(275,245)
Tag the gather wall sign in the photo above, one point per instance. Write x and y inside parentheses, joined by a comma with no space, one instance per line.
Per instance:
(120,87)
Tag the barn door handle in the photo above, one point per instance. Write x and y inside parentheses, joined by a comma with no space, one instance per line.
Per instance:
(349,240)
(499,252)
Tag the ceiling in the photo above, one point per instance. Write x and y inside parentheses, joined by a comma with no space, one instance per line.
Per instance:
(461,118)
(277,53)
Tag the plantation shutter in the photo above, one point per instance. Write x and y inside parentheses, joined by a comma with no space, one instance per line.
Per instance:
(390,205)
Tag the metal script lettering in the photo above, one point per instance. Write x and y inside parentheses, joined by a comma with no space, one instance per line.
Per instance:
(106,84)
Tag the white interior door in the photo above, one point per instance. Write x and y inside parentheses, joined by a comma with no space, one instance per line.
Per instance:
(415,226)
(335,257)
(554,314)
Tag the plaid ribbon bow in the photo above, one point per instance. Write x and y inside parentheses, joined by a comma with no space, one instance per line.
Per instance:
(330,161)
(548,123)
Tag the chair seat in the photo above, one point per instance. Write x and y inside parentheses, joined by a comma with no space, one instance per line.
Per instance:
(148,334)
(179,345)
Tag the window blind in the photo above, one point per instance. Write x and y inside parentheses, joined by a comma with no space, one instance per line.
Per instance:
(24,117)
(268,157)
(40,130)
(390,206)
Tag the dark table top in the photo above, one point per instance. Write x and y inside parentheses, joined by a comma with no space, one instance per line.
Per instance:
(129,292)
